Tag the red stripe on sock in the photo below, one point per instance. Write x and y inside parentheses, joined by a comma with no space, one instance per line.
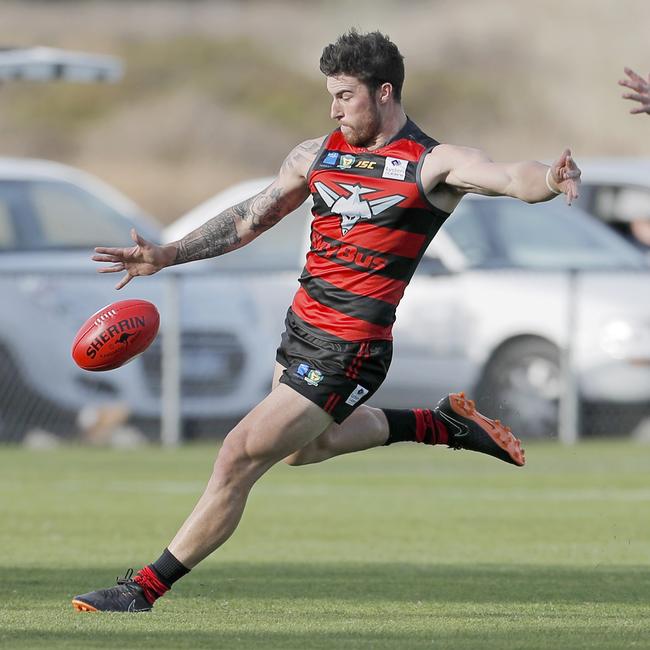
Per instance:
(420,425)
(151,585)
(442,435)
(430,428)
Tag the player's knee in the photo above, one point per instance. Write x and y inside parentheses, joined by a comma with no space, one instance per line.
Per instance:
(226,467)
(233,463)
(315,452)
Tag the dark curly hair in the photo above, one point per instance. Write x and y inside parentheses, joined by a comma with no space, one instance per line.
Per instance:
(372,58)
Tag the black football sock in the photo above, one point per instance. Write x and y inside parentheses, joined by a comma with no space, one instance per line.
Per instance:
(156,579)
(415,425)
(168,568)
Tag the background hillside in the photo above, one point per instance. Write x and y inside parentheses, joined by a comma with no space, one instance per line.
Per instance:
(216,92)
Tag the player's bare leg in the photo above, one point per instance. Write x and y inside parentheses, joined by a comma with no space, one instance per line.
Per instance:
(365,428)
(288,426)
(454,422)
(282,423)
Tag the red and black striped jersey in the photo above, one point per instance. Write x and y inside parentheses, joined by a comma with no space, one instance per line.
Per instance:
(372,223)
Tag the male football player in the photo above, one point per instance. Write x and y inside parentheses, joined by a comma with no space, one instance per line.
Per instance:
(381,190)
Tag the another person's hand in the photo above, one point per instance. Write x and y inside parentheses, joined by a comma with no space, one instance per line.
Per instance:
(565,174)
(641,92)
(145,258)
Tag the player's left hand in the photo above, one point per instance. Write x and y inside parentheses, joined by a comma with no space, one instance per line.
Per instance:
(565,174)
(641,92)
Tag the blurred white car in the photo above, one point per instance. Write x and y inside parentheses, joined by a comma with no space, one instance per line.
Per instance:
(617,191)
(487,311)
(51,217)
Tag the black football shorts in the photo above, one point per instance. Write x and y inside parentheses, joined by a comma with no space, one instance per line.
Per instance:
(334,374)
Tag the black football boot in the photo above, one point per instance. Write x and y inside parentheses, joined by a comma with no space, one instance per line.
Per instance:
(468,429)
(127,596)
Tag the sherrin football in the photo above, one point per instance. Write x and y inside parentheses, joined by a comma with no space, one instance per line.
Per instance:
(115,334)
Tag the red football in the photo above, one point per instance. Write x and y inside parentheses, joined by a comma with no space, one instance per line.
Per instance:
(115,334)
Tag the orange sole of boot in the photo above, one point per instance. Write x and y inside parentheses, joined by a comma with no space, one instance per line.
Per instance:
(83,607)
(500,433)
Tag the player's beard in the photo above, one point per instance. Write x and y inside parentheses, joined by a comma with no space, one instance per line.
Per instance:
(364,134)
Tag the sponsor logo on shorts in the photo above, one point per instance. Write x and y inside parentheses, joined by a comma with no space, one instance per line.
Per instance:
(312,376)
(395,168)
(302,369)
(331,159)
(356,395)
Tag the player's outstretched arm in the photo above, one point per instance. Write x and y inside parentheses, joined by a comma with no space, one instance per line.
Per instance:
(641,88)
(229,230)
(471,171)
(239,225)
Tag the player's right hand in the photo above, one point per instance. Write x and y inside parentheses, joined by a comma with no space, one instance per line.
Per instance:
(145,258)
(566,175)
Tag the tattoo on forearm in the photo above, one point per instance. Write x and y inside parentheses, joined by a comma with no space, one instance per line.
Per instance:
(217,236)
(251,217)
(221,234)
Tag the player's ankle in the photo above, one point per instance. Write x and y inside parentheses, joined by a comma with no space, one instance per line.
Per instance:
(415,425)
(152,587)
(157,578)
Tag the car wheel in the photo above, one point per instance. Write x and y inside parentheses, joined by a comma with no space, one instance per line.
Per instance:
(521,386)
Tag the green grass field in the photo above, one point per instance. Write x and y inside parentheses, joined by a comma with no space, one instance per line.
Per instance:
(404,547)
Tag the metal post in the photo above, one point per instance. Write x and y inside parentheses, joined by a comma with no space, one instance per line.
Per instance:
(170,434)
(569,404)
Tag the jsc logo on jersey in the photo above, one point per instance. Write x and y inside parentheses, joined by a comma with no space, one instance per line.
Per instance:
(395,168)
(365,164)
(353,207)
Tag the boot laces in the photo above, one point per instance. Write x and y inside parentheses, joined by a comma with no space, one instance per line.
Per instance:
(128,577)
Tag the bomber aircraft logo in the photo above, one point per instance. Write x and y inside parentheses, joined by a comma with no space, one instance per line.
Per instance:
(353,207)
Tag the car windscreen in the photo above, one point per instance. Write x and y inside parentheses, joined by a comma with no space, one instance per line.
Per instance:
(503,232)
(50,214)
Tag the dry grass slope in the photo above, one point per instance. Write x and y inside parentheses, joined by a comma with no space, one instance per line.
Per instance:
(216,92)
